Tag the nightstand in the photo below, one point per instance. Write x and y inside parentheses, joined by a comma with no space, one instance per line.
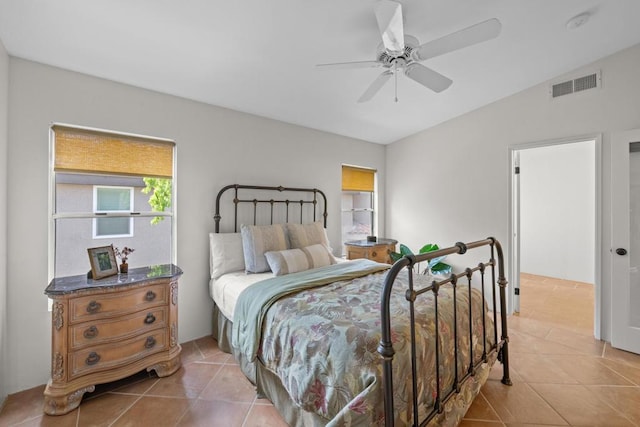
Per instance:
(379,250)
(108,329)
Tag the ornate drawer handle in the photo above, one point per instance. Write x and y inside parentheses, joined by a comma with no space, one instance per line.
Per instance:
(150,296)
(150,342)
(93,307)
(92,359)
(90,332)
(149,319)
(374,254)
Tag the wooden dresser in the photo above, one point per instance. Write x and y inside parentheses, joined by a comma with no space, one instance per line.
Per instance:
(108,329)
(379,250)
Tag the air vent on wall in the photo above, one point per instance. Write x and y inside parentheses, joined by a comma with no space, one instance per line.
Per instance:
(576,85)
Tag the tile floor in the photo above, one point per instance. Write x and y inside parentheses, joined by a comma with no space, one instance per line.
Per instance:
(562,376)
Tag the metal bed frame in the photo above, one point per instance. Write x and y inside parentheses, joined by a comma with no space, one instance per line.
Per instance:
(385,348)
(271,202)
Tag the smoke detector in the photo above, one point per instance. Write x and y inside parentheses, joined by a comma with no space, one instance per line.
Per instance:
(578,21)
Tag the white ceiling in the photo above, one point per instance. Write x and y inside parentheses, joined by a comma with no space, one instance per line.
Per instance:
(259,56)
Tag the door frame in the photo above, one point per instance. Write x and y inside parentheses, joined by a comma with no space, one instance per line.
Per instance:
(513,300)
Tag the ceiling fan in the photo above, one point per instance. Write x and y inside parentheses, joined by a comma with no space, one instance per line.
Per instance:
(402,52)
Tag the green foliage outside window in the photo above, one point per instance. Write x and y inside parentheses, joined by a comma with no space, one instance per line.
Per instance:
(160,199)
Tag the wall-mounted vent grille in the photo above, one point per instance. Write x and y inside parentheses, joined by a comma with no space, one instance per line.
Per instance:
(576,85)
(564,88)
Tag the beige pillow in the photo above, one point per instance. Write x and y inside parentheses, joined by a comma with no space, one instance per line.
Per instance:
(294,260)
(303,235)
(258,239)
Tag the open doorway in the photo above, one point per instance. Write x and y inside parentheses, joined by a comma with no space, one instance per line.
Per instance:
(556,238)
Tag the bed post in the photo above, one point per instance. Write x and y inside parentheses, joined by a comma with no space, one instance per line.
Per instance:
(502,282)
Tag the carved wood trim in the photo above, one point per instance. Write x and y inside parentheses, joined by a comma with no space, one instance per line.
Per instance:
(58,315)
(57,367)
(174,293)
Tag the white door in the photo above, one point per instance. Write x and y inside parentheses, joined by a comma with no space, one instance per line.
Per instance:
(625,240)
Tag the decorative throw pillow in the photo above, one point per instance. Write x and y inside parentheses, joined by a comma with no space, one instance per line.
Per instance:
(303,235)
(226,254)
(258,239)
(294,260)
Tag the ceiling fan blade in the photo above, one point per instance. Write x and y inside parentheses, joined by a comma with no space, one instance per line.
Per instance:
(427,77)
(346,65)
(375,86)
(477,33)
(389,17)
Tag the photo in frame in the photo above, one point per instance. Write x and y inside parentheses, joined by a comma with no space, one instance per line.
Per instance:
(103,262)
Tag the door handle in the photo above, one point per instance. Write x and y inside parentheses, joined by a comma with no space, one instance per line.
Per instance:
(621,251)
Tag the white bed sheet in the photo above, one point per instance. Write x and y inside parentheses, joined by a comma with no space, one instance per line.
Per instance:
(226,289)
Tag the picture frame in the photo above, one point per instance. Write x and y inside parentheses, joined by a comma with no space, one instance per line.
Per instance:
(103,262)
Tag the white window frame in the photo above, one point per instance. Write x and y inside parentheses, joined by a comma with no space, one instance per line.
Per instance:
(112,214)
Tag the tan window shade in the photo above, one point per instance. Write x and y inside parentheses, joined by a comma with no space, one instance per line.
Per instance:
(357,179)
(90,151)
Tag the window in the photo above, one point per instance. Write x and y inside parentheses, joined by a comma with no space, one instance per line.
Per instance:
(358,203)
(111,200)
(104,186)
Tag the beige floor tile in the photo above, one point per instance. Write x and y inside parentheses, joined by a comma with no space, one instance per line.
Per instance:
(579,406)
(519,403)
(154,411)
(188,382)
(23,406)
(104,410)
(623,399)
(67,420)
(622,356)
(584,343)
(631,373)
(478,423)
(231,385)
(264,416)
(540,368)
(524,343)
(588,370)
(481,410)
(215,413)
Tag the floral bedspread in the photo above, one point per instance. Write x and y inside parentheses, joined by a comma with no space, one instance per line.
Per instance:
(322,344)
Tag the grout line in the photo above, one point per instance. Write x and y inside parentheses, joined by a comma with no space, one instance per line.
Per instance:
(125,410)
(549,403)
(246,416)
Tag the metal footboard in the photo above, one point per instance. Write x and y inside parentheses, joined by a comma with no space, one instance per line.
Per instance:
(501,346)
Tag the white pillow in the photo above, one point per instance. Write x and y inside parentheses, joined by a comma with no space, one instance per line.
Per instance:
(303,235)
(258,239)
(225,253)
(294,260)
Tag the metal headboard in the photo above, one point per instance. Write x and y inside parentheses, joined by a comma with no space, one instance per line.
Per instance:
(311,202)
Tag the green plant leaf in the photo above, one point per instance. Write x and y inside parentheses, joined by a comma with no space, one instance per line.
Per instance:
(441,268)
(404,250)
(395,256)
(429,247)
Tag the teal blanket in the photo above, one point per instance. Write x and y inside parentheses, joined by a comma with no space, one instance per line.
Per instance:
(254,302)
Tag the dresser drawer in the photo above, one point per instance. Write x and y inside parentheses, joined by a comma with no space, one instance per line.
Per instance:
(107,356)
(109,330)
(116,304)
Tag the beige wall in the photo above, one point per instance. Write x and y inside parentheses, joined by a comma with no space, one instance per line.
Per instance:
(215,147)
(4,104)
(466,160)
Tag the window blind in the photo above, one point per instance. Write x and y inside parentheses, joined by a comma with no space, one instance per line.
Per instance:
(358,179)
(93,151)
